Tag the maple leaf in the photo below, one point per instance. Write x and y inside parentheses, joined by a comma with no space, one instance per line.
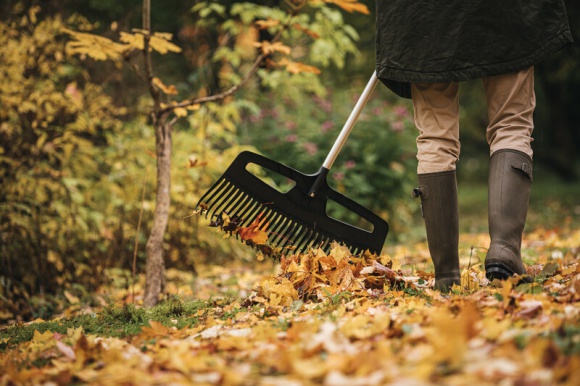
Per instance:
(253,232)
(94,46)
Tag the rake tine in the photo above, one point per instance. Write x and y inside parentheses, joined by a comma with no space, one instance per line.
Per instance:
(229,205)
(268,218)
(217,203)
(263,220)
(252,213)
(302,238)
(311,240)
(216,193)
(246,202)
(239,204)
(210,193)
(272,220)
(326,244)
(286,232)
(279,228)
(295,230)
(249,206)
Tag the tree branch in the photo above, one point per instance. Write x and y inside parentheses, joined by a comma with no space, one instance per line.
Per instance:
(232,90)
(148,66)
(211,98)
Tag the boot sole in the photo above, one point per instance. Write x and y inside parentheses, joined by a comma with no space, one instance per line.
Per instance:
(502,273)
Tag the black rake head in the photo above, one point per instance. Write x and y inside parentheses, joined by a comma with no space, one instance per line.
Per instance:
(292,220)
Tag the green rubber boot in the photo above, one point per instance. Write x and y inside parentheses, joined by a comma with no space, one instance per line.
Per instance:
(438,192)
(510,178)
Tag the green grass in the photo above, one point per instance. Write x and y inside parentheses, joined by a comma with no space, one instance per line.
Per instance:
(553,204)
(115,321)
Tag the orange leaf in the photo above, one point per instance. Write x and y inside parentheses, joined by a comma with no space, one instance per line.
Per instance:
(253,232)
(308,32)
(350,6)
(169,90)
(297,67)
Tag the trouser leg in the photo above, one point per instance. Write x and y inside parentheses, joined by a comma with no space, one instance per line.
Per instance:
(436,114)
(510,104)
(436,109)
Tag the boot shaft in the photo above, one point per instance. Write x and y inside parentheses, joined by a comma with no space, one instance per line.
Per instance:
(438,192)
(510,178)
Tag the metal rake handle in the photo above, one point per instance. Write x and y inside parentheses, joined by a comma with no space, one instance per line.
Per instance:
(347,128)
(344,133)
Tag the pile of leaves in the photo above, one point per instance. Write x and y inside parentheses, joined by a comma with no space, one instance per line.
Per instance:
(319,318)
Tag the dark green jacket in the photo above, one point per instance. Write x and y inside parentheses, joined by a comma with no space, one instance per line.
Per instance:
(458,40)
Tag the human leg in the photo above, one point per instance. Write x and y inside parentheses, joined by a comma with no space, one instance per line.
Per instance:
(511,102)
(436,110)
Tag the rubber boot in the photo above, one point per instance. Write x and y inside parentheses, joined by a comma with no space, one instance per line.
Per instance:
(510,178)
(438,192)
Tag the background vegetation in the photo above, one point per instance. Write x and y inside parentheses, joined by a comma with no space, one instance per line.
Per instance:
(77,149)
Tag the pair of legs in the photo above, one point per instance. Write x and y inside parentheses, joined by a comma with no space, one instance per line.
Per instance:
(510,101)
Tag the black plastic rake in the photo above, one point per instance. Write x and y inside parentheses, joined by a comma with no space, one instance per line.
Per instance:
(296,219)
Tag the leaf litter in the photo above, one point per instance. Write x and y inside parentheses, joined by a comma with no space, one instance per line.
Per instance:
(335,319)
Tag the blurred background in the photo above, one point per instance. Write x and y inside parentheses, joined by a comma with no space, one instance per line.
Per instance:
(77,147)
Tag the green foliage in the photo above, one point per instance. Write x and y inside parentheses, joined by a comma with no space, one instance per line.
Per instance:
(50,119)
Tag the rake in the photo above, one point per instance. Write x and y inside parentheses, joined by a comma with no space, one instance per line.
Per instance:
(297,219)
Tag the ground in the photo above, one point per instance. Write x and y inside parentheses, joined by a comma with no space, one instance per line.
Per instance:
(321,319)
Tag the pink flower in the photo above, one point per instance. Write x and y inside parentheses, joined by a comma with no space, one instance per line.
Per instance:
(350,164)
(291,125)
(310,148)
(339,176)
(324,104)
(401,111)
(291,138)
(397,126)
(326,126)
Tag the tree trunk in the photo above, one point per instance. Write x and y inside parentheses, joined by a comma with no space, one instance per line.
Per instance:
(155,269)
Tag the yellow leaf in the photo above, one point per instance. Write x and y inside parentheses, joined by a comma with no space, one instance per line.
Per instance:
(180,111)
(94,46)
(194,107)
(42,337)
(160,43)
(135,41)
(263,24)
(71,298)
(268,48)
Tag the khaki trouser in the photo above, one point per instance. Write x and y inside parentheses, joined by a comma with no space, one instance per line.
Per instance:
(510,104)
